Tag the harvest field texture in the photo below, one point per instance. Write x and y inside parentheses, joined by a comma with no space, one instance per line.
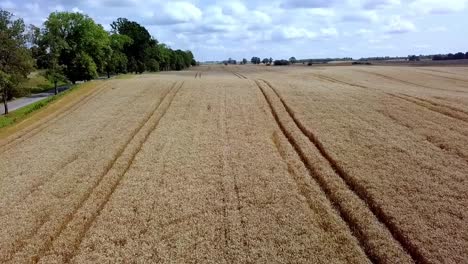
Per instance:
(245,164)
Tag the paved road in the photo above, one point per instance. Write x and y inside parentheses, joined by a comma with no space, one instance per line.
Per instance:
(24,101)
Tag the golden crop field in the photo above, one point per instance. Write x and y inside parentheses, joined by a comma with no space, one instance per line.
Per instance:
(246,164)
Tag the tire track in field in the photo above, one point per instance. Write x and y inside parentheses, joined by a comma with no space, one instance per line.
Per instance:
(40,245)
(89,143)
(40,126)
(230,188)
(226,228)
(333,80)
(433,106)
(410,83)
(238,76)
(451,112)
(388,232)
(437,104)
(293,142)
(74,234)
(424,71)
(243,223)
(428,138)
(432,70)
(198,75)
(242,76)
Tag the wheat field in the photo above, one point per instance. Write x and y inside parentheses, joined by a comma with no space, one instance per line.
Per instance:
(246,164)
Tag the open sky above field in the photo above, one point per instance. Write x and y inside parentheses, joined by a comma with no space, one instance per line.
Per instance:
(216,30)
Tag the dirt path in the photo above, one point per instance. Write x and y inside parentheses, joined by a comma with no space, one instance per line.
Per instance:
(243,165)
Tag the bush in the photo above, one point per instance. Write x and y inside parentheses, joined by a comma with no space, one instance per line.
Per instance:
(361,63)
(281,63)
(152,65)
(141,67)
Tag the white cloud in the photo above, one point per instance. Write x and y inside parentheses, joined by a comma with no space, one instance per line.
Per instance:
(233,8)
(174,13)
(398,25)
(58,8)
(77,10)
(377,4)
(323,12)
(438,6)
(363,16)
(290,33)
(307,4)
(329,32)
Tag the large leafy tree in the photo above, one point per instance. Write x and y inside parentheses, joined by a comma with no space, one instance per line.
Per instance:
(15,58)
(80,46)
(145,53)
(141,41)
(255,60)
(116,59)
(165,57)
(38,48)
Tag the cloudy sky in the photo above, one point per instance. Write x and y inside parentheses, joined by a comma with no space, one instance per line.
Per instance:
(217,30)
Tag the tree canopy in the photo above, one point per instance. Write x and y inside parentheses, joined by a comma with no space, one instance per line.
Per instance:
(255,60)
(145,53)
(72,46)
(15,58)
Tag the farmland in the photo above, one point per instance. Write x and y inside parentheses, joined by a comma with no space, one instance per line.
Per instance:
(245,164)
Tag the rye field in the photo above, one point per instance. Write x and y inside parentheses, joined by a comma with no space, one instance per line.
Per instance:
(245,164)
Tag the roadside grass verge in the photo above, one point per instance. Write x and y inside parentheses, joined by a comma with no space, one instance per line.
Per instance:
(26,116)
(37,83)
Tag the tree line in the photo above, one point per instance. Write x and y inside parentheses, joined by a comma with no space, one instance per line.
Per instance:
(451,56)
(437,57)
(73,47)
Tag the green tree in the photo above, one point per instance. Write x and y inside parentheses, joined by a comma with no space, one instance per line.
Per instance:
(132,65)
(141,67)
(178,62)
(265,61)
(116,59)
(188,58)
(459,56)
(144,50)
(82,67)
(141,39)
(81,45)
(54,73)
(15,58)
(292,60)
(244,61)
(38,49)
(271,60)
(152,65)
(165,57)
(255,60)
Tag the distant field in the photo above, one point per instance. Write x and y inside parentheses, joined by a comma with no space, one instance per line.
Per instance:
(235,164)
(449,63)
